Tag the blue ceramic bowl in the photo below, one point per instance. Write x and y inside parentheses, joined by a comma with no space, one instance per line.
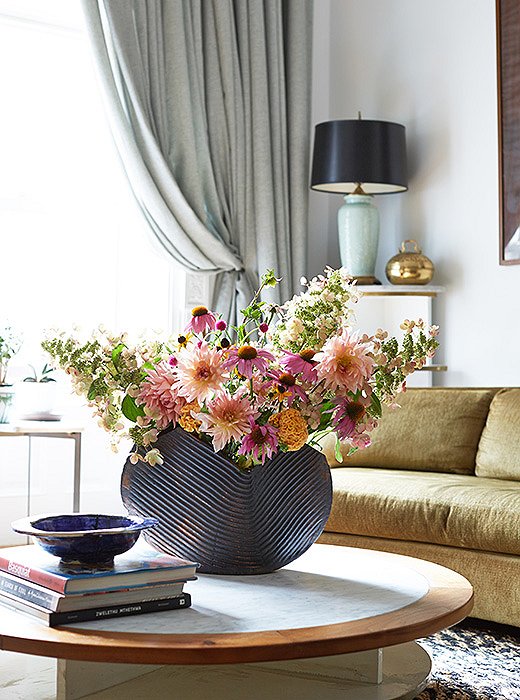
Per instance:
(84,538)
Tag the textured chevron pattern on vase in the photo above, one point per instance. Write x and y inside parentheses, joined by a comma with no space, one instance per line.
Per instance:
(229,521)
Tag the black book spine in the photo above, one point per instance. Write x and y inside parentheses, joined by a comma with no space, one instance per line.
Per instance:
(149,606)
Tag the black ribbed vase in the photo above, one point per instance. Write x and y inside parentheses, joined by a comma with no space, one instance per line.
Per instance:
(229,521)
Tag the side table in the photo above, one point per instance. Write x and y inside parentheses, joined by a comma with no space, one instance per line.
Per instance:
(48,429)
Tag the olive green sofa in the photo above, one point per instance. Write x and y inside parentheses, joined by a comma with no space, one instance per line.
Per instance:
(441,481)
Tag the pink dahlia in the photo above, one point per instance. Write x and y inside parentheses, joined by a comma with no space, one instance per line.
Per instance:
(246,358)
(261,441)
(160,396)
(301,363)
(227,419)
(345,363)
(200,372)
(201,320)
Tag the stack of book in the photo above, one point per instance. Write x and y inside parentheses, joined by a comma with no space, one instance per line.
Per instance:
(141,580)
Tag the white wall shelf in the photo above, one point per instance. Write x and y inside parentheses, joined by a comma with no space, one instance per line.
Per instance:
(416,290)
(387,306)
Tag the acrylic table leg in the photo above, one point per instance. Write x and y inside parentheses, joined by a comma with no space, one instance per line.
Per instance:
(29,460)
(81,679)
(77,472)
(399,672)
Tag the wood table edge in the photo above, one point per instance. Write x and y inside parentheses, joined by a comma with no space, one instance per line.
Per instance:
(448,601)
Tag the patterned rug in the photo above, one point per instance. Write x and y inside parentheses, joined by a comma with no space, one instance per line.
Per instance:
(475,660)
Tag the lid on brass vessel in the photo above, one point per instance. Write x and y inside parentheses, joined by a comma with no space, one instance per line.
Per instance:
(409,266)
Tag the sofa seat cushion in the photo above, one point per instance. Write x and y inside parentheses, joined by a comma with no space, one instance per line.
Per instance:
(498,453)
(445,509)
(435,430)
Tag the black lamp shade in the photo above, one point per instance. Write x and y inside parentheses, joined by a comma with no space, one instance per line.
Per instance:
(352,152)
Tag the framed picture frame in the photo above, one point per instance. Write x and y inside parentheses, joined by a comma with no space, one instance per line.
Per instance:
(508,82)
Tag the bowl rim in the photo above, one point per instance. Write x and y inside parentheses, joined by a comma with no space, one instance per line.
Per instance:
(25,526)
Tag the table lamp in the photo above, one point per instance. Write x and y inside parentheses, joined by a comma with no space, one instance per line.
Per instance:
(359,158)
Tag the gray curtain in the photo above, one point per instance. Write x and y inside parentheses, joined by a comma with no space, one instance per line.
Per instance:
(209,102)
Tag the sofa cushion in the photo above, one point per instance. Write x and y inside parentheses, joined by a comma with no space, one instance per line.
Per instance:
(446,509)
(435,429)
(498,453)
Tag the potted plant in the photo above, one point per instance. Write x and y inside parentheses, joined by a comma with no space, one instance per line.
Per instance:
(43,377)
(10,343)
(36,395)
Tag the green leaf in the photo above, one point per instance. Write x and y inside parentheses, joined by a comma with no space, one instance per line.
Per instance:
(375,405)
(97,388)
(116,352)
(29,379)
(46,380)
(241,334)
(337,451)
(326,415)
(130,409)
(269,279)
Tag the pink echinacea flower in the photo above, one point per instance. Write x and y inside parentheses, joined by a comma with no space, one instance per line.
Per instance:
(261,442)
(346,417)
(246,358)
(286,387)
(301,363)
(201,320)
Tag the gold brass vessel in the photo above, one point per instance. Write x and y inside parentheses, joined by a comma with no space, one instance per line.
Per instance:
(409,266)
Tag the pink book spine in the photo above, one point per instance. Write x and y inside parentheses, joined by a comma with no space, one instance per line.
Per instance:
(43,578)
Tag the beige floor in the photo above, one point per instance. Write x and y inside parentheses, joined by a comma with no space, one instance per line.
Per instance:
(24,677)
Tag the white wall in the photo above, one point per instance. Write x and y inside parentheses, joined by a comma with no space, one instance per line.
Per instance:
(432,67)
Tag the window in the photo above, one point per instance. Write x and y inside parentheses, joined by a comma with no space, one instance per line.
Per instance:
(75,249)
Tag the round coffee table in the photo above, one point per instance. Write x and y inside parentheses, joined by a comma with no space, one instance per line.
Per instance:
(317,628)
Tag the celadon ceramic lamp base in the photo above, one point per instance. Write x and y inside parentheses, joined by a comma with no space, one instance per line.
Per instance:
(358,230)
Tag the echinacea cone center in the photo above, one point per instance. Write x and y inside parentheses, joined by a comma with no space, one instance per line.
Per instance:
(355,411)
(287,379)
(247,352)
(258,436)
(199,311)
(307,355)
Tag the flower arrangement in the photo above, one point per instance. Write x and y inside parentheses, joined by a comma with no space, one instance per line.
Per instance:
(283,377)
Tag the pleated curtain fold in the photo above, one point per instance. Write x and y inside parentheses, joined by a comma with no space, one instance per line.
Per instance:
(209,102)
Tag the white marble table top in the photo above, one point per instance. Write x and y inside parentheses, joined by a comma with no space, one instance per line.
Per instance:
(327,585)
